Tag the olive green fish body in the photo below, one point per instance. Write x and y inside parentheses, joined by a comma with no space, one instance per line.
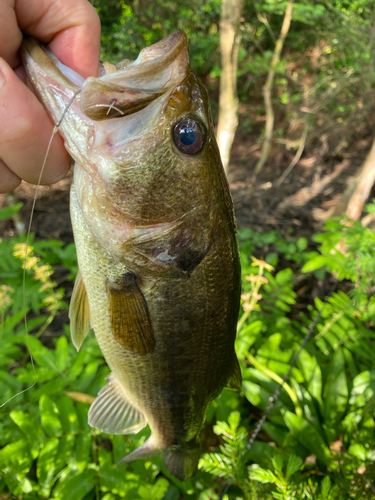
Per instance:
(153,222)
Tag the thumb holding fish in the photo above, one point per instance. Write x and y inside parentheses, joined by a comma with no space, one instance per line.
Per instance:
(72,30)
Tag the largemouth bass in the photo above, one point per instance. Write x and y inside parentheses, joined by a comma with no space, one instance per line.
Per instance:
(159,272)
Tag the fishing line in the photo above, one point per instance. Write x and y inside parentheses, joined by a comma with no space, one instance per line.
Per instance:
(112,106)
(109,106)
(55,129)
(272,400)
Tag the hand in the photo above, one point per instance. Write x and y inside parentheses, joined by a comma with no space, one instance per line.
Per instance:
(72,30)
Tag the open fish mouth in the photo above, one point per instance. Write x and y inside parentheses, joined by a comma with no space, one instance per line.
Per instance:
(124,88)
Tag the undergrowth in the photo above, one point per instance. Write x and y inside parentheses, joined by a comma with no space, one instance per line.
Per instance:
(318,441)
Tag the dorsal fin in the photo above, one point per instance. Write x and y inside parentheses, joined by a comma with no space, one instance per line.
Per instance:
(79,313)
(113,412)
(130,321)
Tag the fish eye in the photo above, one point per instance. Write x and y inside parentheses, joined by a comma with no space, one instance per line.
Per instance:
(189,135)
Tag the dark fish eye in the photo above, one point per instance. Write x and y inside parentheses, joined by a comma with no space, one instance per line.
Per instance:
(189,135)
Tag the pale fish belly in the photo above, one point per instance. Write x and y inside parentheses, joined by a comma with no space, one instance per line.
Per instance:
(173,386)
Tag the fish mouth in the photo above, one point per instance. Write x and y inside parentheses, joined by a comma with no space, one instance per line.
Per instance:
(124,88)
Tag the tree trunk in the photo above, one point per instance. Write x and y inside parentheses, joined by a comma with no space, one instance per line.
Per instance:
(356,194)
(228,101)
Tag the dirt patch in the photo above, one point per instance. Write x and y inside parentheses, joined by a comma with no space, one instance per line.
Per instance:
(299,203)
(303,200)
(51,218)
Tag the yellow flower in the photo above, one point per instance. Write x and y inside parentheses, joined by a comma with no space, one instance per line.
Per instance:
(5,299)
(19,250)
(247,307)
(261,263)
(255,278)
(42,273)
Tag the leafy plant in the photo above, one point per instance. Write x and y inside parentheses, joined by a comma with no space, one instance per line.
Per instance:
(317,442)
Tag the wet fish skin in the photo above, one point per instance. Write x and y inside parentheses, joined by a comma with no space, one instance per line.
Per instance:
(158,259)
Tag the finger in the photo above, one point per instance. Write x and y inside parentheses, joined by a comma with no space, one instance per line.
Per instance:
(25,131)
(10,34)
(70,27)
(9,180)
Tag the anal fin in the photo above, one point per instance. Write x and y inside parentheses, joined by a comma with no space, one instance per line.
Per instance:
(79,313)
(130,321)
(112,411)
(235,379)
(147,449)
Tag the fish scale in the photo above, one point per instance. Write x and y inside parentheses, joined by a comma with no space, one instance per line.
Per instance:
(159,271)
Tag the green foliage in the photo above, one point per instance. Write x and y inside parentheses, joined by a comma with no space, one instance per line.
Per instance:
(347,249)
(321,427)
(318,441)
(8,212)
(326,69)
(128,28)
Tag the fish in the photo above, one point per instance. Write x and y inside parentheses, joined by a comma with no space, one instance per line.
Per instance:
(154,227)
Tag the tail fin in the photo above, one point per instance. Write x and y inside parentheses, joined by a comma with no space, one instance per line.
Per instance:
(180,460)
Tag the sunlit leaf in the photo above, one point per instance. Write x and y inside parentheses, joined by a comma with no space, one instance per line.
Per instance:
(16,455)
(68,415)
(50,417)
(32,430)
(45,469)
(307,435)
(294,464)
(336,390)
(62,353)
(78,486)
(262,475)
(82,450)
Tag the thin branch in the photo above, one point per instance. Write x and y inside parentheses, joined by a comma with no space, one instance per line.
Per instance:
(264,20)
(267,89)
(296,158)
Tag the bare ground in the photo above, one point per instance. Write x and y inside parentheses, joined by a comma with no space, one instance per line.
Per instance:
(301,202)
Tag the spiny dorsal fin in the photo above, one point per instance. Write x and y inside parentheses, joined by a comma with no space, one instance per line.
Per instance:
(112,411)
(235,379)
(130,320)
(79,313)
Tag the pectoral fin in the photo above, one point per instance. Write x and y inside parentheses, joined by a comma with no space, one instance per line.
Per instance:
(235,379)
(112,411)
(130,319)
(79,313)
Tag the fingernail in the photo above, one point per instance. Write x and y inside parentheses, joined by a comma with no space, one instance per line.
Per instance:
(2,77)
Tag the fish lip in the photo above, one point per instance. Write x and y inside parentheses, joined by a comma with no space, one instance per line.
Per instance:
(157,69)
(149,59)
(41,56)
(153,57)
